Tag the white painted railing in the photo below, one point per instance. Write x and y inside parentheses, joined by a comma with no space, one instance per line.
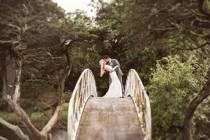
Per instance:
(85,88)
(135,89)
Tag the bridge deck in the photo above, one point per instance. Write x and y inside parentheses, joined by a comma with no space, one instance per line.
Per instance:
(109,119)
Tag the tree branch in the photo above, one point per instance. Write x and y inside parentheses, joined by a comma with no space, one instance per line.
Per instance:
(164,29)
(204,93)
(16,95)
(8,42)
(199,35)
(15,129)
(13,102)
(60,89)
(198,47)
(51,123)
(2,138)
(23,116)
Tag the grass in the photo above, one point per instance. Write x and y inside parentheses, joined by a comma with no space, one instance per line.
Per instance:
(64,114)
(9,116)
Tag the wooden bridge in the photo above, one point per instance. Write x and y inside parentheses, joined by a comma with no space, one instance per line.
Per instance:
(97,118)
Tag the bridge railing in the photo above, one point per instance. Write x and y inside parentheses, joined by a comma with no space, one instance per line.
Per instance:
(135,89)
(84,89)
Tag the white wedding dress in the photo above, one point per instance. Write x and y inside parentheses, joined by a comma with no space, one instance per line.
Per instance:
(115,89)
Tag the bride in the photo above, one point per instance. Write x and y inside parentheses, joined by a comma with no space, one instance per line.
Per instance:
(115,89)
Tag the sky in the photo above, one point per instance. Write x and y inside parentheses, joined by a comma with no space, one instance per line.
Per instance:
(72,5)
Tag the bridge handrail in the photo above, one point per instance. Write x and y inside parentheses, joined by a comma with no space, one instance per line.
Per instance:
(84,89)
(135,89)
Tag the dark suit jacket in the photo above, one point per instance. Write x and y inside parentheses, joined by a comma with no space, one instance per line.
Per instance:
(115,62)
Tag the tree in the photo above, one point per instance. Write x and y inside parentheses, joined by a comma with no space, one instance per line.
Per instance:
(197,100)
(13,98)
(152,22)
(172,84)
(109,21)
(16,47)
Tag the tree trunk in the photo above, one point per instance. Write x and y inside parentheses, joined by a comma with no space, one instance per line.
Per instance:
(204,93)
(12,97)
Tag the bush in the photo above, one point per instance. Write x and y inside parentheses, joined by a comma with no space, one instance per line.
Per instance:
(172,84)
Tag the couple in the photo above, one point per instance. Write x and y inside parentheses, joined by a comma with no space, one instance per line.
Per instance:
(112,67)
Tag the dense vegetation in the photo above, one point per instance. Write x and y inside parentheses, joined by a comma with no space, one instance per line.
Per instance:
(167,42)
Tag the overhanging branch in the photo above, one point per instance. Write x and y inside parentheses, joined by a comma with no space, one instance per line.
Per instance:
(8,42)
(198,47)
(2,138)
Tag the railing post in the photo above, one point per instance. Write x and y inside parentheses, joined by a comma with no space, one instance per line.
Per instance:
(135,89)
(84,89)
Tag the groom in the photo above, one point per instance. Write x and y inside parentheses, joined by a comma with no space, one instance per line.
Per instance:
(113,63)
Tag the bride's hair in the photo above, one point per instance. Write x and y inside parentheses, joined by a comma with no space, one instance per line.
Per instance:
(106,57)
(102,64)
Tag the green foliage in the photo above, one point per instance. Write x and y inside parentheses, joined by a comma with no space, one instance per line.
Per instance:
(162,40)
(45,26)
(172,84)
(109,27)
